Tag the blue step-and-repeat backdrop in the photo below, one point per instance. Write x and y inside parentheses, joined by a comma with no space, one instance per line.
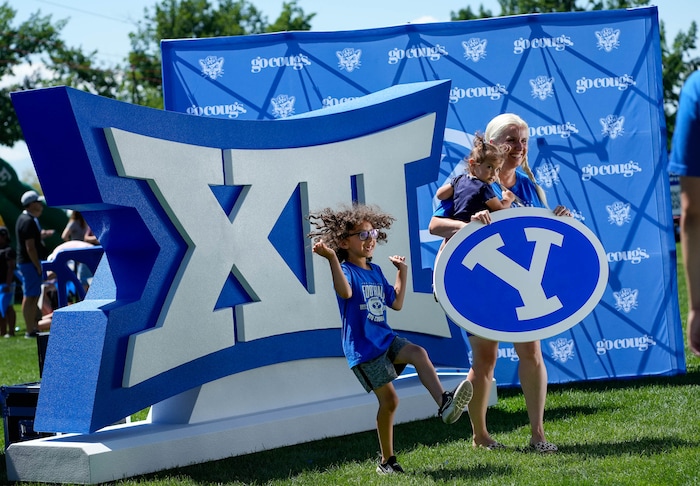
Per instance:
(589,85)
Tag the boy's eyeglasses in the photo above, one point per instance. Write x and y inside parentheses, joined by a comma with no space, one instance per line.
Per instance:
(366,234)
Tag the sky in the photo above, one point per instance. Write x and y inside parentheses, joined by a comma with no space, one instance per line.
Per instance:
(105,27)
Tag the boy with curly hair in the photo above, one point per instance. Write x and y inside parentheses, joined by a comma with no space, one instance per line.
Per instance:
(375,353)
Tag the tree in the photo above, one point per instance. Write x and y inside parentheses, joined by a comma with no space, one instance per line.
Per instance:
(33,55)
(519,7)
(19,45)
(182,19)
(291,18)
(467,14)
(676,60)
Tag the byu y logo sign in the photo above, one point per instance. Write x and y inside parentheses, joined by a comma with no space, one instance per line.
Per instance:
(528,275)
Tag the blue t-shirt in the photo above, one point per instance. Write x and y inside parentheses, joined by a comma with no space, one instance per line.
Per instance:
(685,151)
(365,331)
(524,188)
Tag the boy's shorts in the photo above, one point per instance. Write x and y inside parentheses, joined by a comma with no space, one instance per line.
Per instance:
(381,370)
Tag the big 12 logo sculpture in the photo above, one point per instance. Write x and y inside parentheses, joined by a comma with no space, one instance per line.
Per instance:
(207,272)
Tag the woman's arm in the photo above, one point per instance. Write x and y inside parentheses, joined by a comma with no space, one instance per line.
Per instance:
(445,227)
(65,236)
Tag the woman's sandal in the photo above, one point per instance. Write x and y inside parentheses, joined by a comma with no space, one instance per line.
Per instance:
(493,446)
(544,447)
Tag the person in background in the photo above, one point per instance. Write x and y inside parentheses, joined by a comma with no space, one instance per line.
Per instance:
(685,162)
(30,252)
(77,229)
(8,257)
(515,176)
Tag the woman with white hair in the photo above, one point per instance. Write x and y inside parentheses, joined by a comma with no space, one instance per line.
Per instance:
(512,131)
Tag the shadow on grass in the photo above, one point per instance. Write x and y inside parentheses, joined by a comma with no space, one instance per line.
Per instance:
(320,456)
(642,446)
(423,432)
(475,473)
(333,453)
(691,377)
(282,463)
(338,452)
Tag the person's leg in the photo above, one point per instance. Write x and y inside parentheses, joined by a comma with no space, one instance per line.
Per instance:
(484,354)
(694,331)
(7,328)
(11,320)
(31,288)
(418,357)
(388,403)
(450,404)
(377,375)
(689,238)
(533,380)
(30,309)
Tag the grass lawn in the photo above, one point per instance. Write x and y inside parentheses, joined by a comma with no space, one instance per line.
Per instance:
(643,431)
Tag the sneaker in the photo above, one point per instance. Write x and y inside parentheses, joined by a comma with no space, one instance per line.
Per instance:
(391,466)
(454,402)
(7,336)
(29,335)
